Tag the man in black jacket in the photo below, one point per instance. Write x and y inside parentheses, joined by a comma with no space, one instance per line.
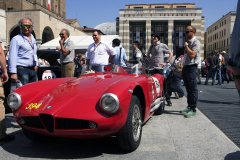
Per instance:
(213,61)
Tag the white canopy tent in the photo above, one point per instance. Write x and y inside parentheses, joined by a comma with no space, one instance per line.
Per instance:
(80,42)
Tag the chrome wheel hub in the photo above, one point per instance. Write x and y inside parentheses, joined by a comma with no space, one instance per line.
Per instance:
(136,122)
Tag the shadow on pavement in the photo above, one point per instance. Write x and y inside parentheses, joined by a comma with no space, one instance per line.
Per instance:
(62,148)
(233,156)
(59,148)
(173,112)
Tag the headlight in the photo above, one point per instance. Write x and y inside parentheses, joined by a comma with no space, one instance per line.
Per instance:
(110,102)
(14,100)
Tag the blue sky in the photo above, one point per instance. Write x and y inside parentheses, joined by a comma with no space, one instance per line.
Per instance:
(91,13)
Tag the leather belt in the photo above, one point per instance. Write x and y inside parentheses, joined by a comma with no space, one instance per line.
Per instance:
(30,67)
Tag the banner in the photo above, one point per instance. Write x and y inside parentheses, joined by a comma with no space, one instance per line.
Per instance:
(181,39)
(49,4)
(138,36)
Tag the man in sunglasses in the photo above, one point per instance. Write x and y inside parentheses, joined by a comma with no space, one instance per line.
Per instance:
(158,50)
(23,60)
(66,54)
(192,54)
(99,53)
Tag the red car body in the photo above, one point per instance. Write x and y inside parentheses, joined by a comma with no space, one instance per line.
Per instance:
(63,107)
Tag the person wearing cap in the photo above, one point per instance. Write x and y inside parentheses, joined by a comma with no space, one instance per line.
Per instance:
(234,61)
(192,53)
(213,61)
(225,67)
(157,51)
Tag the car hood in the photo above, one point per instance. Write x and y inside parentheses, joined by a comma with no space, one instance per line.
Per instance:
(90,86)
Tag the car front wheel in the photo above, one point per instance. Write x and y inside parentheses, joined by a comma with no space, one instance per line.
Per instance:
(130,135)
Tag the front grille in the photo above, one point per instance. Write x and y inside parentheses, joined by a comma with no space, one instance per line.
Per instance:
(33,121)
(48,121)
(65,123)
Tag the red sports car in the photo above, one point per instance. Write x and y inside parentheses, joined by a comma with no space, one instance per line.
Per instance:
(94,105)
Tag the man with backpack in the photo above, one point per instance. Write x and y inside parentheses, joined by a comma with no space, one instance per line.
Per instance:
(213,62)
(120,57)
(225,66)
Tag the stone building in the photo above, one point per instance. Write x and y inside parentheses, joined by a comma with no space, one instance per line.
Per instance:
(139,21)
(219,34)
(47,22)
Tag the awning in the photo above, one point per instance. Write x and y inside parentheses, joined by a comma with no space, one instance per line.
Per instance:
(80,42)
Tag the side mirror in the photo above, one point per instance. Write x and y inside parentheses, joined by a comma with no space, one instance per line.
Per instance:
(107,68)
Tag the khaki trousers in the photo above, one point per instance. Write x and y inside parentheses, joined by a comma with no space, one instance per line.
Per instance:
(2,112)
(68,69)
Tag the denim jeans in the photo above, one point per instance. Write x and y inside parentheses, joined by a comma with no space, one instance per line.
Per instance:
(189,74)
(98,69)
(169,93)
(219,74)
(212,72)
(26,75)
(224,69)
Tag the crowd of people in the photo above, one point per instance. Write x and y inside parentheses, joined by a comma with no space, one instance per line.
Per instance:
(216,66)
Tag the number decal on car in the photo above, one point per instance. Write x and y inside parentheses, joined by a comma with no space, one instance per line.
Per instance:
(48,74)
(157,84)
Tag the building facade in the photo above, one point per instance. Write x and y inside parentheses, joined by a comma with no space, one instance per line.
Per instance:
(219,34)
(48,23)
(3,27)
(138,22)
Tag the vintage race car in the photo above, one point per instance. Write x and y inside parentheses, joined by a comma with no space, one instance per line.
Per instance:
(94,105)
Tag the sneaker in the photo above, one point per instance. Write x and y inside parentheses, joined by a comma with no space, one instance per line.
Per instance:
(185,110)
(169,103)
(7,138)
(190,114)
(176,95)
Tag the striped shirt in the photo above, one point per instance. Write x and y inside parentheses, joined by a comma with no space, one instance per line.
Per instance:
(99,54)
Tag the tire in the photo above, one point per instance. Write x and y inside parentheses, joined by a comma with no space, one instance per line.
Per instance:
(160,110)
(130,135)
(34,136)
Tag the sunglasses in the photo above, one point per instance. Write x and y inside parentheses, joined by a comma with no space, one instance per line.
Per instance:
(154,36)
(61,34)
(188,31)
(28,26)
(94,35)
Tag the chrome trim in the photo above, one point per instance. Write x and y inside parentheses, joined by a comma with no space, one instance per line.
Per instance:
(49,107)
(130,91)
(114,97)
(18,98)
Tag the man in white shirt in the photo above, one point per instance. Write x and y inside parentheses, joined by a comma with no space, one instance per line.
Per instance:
(99,53)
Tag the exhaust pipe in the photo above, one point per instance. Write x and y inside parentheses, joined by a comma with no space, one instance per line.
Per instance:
(156,104)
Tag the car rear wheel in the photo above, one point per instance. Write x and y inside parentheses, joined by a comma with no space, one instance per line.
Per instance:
(34,136)
(130,135)
(160,110)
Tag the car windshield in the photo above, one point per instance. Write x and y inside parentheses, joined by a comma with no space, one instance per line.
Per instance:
(135,69)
